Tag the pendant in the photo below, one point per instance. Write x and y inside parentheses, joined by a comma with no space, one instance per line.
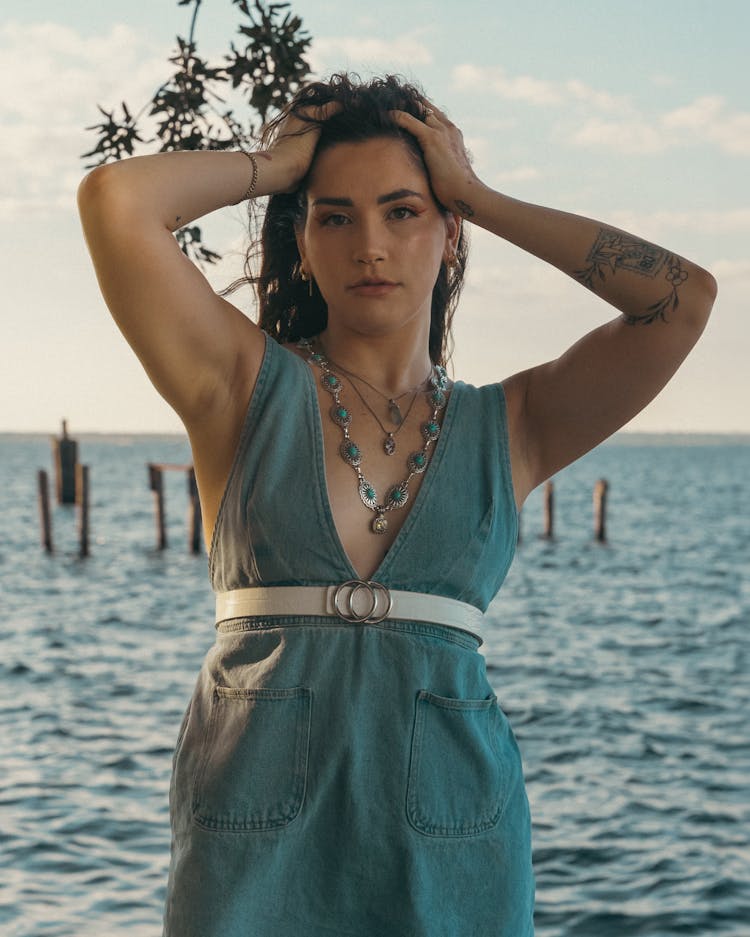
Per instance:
(437,399)
(389,444)
(350,453)
(368,494)
(340,415)
(430,430)
(330,382)
(380,524)
(397,495)
(418,462)
(395,411)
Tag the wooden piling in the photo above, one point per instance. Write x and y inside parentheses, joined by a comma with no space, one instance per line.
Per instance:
(44,515)
(65,452)
(549,509)
(194,520)
(600,510)
(156,483)
(82,488)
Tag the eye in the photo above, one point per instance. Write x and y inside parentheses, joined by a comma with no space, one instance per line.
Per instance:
(335,220)
(401,212)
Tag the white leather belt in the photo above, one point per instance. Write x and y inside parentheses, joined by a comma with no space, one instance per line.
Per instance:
(357,601)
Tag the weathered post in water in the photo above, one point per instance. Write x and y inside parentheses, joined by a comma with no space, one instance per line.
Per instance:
(156,483)
(44,515)
(195,520)
(600,510)
(82,487)
(66,456)
(549,509)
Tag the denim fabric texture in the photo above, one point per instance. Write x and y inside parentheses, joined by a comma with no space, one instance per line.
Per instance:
(335,779)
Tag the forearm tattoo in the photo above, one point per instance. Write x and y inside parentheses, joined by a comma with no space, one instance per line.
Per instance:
(613,251)
(466,210)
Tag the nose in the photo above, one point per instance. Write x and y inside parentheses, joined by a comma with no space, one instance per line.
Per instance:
(371,257)
(369,248)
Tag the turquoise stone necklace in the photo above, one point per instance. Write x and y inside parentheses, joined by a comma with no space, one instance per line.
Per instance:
(398,494)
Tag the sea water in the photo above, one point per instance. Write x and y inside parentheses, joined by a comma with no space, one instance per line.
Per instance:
(623,668)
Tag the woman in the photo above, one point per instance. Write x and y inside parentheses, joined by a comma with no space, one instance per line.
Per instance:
(344,766)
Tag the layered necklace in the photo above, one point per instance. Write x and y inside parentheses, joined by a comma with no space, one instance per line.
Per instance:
(397,417)
(398,494)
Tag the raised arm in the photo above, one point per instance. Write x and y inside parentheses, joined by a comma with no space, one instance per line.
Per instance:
(200,352)
(196,347)
(563,408)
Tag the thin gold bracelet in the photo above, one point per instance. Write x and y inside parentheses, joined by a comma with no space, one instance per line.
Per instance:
(251,188)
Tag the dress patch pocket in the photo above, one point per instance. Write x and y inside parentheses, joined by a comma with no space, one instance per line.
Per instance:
(254,768)
(456,774)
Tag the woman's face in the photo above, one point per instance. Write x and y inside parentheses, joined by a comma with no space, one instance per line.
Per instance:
(374,236)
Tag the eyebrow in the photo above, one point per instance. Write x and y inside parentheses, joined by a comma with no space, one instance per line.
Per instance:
(382,199)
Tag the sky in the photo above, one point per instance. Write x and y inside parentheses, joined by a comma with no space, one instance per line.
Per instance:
(635,114)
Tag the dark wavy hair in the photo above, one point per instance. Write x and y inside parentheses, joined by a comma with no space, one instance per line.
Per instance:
(286,310)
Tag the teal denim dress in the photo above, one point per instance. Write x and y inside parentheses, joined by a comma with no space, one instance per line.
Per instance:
(335,779)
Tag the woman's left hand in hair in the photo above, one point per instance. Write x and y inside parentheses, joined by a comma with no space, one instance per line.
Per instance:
(453,180)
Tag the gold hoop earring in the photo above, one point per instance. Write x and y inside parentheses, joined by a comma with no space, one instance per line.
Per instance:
(303,275)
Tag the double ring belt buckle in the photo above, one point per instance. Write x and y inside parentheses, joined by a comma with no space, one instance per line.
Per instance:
(374,589)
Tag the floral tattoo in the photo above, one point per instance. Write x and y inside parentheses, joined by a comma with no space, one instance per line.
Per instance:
(613,250)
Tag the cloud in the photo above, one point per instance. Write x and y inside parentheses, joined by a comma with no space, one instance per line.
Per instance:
(532,90)
(62,73)
(708,222)
(601,100)
(631,135)
(731,270)
(610,120)
(329,54)
(707,119)
(57,77)
(695,116)
(495,79)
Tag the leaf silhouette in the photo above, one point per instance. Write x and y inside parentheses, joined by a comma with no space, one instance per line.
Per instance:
(268,71)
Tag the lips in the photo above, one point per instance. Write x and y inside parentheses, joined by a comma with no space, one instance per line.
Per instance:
(371,281)
(373,288)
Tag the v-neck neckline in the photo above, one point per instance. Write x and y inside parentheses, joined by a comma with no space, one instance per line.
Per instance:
(423,493)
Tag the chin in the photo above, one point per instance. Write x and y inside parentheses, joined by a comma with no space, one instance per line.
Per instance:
(378,319)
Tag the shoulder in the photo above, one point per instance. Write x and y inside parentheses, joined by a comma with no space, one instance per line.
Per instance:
(486,408)
(502,397)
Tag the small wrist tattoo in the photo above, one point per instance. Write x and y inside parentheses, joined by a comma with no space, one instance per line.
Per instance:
(466,210)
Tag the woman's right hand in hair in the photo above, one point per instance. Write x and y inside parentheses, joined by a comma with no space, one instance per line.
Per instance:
(294,146)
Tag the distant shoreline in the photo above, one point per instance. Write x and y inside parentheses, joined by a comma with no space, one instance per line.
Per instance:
(678,439)
(623,438)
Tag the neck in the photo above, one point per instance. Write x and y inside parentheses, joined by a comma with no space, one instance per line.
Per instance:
(392,362)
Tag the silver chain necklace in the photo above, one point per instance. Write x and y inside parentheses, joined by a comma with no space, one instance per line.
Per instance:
(398,494)
(393,408)
(389,443)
